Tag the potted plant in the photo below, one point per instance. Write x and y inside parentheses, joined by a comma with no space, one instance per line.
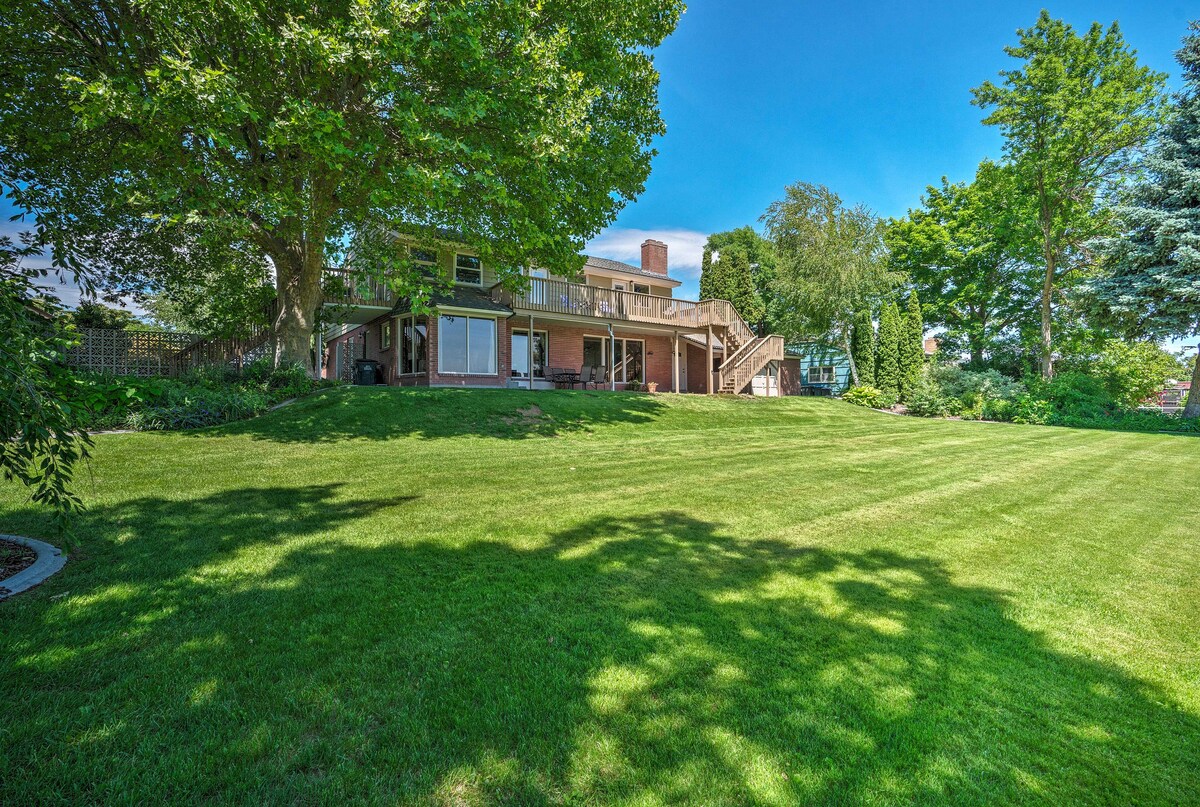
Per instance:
(651,386)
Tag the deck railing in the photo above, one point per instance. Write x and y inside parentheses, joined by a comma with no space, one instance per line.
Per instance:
(561,297)
(346,287)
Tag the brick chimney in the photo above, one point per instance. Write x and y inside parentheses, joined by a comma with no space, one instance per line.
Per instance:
(654,256)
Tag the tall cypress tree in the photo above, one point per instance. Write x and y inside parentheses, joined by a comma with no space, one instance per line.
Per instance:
(912,346)
(1153,280)
(863,349)
(887,352)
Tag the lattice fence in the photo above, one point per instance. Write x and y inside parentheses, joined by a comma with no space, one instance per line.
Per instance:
(157,353)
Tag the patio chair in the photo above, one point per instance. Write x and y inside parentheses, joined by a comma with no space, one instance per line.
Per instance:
(586,375)
(599,376)
(552,374)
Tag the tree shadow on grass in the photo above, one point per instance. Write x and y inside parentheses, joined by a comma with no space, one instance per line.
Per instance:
(383,413)
(650,660)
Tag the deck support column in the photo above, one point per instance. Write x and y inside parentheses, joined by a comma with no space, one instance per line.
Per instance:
(675,363)
(708,352)
(529,344)
(612,358)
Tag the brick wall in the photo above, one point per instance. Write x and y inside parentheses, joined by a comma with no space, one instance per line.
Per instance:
(697,359)
(566,347)
(370,333)
(790,377)
(499,379)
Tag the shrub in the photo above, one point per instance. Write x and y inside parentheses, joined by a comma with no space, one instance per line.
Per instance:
(204,396)
(1078,395)
(925,399)
(1031,410)
(864,395)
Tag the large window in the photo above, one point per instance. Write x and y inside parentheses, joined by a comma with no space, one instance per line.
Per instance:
(630,359)
(520,353)
(466,345)
(412,345)
(425,261)
(468,269)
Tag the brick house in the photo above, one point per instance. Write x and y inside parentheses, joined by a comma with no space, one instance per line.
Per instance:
(619,324)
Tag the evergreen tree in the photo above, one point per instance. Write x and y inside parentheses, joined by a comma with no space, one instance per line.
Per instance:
(760,255)
(729,275)
(1152,284)
(912,346)
(712,275)
(887,352)
(863,349)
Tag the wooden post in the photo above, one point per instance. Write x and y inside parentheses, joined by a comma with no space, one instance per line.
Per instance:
(612,367)
(529,344)
(675,364)
(708,352)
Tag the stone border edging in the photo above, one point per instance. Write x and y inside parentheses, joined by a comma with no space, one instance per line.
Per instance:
(49,560)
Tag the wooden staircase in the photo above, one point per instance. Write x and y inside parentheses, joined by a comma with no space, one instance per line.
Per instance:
(234,352)
(746,354)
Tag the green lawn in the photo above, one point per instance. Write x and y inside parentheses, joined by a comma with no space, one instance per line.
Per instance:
(447,597)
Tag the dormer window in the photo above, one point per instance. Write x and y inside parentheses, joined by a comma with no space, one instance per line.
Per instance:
(468,269)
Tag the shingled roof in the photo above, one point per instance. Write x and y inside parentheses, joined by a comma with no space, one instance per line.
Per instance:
(624,268)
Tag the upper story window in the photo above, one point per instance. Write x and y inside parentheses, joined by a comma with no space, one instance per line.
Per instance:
(641,288)
(468,269)
(425,259)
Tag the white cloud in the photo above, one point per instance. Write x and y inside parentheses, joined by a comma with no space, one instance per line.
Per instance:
(685,248)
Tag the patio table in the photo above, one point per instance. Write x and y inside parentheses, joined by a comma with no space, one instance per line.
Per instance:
(568,377)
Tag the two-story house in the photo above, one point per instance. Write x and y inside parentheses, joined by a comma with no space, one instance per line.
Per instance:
(617,325)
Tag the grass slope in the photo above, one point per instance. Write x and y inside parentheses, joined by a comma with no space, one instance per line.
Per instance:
(471,597)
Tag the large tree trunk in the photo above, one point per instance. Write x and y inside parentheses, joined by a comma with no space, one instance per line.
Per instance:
(1192,410)
(298,285)
(1047,311)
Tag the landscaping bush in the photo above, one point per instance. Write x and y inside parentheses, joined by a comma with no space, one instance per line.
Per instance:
(926,399)
(864,395)
(205,396)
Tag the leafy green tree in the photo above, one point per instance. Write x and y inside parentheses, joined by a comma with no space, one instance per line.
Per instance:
(887,351)
(41,437)
(862,349)
(760,253)
(1151,282)
(911,353)
(222,302)
(302,129)
(831,265)
(1131,372)
(970,252)
(95,314)
(1072,117)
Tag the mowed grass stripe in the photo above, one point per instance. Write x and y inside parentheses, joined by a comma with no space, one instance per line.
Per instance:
(408,597)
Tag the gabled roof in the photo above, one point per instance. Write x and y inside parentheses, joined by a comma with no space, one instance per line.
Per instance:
(624,268)
(456,297)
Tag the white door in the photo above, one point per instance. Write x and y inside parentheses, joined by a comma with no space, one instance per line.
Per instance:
(537,286)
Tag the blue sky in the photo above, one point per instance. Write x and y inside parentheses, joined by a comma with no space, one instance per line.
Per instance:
(869,98)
